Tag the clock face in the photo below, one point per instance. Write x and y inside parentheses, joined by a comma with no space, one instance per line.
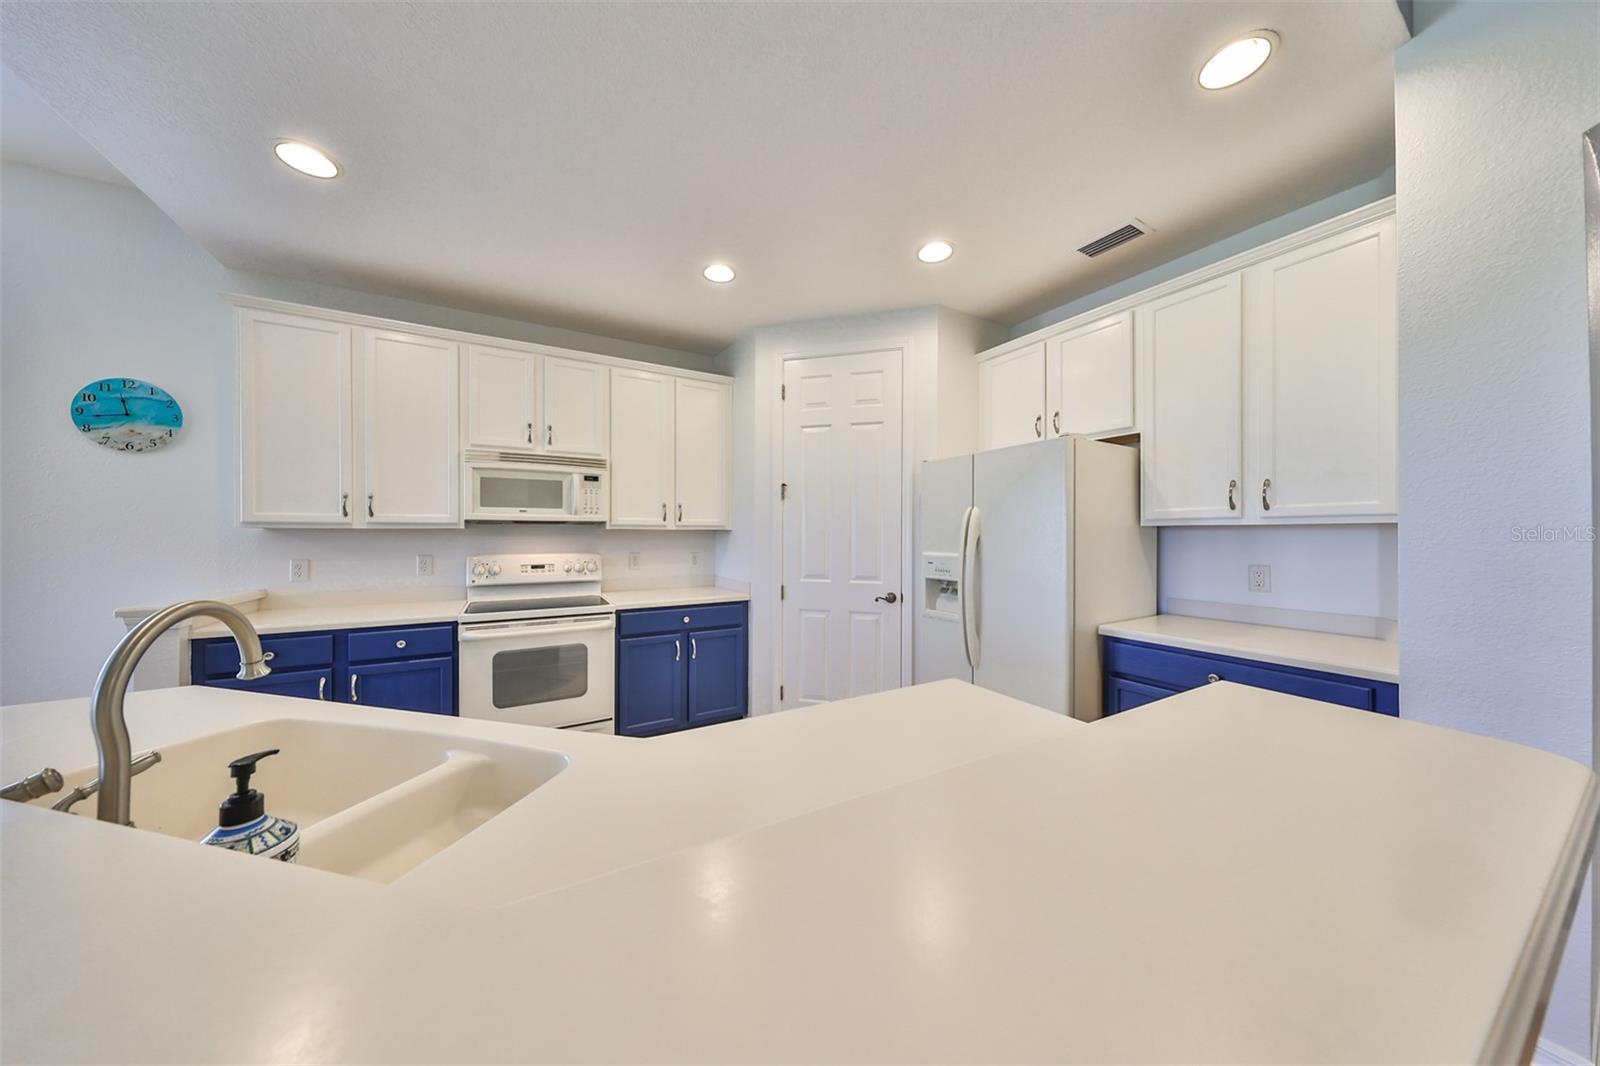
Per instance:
(126,415)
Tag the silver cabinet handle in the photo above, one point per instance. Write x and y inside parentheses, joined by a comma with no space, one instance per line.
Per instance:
(1055,423)
(694,648)
(550,436)
(530,432)
(344,505)
(1038,425)
(1212,679)
(663,512)
(268,656)
(1232,504)
(369,505)
(677,651)
(1266,504)
(680,512)
(353,697)
(887,597)
(399,643)
(322,687)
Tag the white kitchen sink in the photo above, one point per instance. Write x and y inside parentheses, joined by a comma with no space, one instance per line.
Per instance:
(371,801)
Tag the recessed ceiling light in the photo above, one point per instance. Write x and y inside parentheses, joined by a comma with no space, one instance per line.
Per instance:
(306,159)
(721,273)
(936,251)
(1237,60)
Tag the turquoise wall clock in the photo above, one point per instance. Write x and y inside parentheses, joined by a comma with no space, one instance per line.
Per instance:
(127,415)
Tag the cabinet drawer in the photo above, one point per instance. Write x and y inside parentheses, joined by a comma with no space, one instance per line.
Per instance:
(671,619)
(1174,669)
(220,657)
(412,642)
(1124,695)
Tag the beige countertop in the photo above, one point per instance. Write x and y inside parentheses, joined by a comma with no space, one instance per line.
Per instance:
(934,873)
(1367,657)
(349,611)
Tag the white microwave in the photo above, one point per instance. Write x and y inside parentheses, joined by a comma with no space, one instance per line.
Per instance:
(503,487)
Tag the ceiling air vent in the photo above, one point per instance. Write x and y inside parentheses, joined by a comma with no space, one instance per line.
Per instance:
(1133,229)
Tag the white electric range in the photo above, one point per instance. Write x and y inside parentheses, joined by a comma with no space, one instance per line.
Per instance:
(537,642)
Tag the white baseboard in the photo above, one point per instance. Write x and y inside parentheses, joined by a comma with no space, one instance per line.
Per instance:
(1548,1053)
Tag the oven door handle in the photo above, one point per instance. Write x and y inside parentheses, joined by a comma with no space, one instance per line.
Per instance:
(523,629)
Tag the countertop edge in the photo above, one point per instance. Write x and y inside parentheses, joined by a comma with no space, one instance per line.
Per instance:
(1333,664)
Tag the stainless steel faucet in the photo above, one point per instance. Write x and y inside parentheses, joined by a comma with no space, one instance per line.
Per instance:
(105,712)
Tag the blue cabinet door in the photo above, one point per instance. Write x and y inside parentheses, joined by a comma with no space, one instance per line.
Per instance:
(409,685)
(651,682)
(306,684)
(1124,695)
(717,689)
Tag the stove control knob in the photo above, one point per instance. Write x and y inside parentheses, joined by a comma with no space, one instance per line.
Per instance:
(567,566)
(591,566)
(494,569)
(478,570)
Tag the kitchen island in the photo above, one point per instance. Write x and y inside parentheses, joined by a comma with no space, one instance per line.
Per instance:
(934,873)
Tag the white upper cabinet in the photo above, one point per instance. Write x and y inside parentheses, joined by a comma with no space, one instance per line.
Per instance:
(1011,398)
(294,420)
(704,455)
(1191,364)
(502,399)
(1322,374)
(576,421)
(410,440)
(1089,378)
(642,446)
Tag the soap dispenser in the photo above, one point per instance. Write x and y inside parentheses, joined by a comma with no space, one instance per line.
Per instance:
(243,823)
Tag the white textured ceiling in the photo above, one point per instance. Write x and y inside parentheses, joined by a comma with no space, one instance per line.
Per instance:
(31,132)
(578,164)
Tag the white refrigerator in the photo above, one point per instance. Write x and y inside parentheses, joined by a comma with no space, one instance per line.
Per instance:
(1023,553)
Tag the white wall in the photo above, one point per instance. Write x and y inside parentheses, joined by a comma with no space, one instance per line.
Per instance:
(98,282)
(1335,578)
(1491,100)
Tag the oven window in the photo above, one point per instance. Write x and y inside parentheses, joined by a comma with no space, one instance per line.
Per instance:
(513,492)
(540,675)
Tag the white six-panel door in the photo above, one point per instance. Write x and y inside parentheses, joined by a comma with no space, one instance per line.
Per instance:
(502,390)
(410,437)
(841,526)
(1089,378)
(1011,398)
(1190,368)
(1321,353)
(576,420)
(294,420)
(642,493)
(704,452)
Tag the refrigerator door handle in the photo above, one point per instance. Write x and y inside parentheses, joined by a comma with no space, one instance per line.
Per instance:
(971,530)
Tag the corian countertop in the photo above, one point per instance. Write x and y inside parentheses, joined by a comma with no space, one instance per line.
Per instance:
(349,612)
(935,873)
(1368,657)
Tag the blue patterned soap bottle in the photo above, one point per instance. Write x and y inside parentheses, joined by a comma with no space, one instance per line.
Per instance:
(243,823)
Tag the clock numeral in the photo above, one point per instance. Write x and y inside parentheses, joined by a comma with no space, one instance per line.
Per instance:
(129,383)
(85,428)
(88,397)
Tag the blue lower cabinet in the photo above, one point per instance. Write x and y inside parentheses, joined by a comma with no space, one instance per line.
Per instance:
(681,667)
(717,688)
(305,684)
(412,668)
(1136,673)
(426,685)
(650,695)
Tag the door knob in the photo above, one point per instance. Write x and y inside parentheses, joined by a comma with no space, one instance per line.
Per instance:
(887,597)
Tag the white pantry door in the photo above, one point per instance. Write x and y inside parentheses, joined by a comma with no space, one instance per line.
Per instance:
(841,526)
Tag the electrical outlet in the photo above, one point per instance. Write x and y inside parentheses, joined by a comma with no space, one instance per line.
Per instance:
(694,560)
(633,560)
(1260,578)
(424,566)
(299,569)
